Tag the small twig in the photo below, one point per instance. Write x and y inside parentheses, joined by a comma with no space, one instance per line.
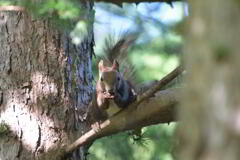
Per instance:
(159,85)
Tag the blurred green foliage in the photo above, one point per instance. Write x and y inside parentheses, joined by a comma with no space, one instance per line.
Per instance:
(153,60)
(3,128)
(156,144)
(64,9)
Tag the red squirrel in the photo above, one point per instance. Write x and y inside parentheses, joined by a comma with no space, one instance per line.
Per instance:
(112,87)
(113,92)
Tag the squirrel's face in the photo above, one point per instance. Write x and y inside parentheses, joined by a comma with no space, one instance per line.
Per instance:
(109,77)
(110,81)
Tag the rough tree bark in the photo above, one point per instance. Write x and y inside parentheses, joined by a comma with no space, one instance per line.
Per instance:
(43,92)
(210,110)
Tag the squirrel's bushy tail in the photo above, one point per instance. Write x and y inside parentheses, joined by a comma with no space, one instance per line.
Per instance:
(118,49)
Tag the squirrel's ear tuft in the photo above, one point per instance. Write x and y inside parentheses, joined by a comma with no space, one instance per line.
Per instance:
(100,65)
(115,65)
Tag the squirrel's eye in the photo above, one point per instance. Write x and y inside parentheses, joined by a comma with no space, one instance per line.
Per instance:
(118,78)
(101,79)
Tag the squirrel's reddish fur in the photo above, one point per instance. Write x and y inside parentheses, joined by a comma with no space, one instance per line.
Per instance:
(111,88)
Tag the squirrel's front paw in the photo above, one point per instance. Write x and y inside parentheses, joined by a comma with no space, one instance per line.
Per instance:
(109,96)
(96,126)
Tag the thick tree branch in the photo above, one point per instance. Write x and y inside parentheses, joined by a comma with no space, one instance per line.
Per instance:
(158,109)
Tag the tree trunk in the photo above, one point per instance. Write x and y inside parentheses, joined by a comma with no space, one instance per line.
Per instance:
(211,114)
(43,91)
